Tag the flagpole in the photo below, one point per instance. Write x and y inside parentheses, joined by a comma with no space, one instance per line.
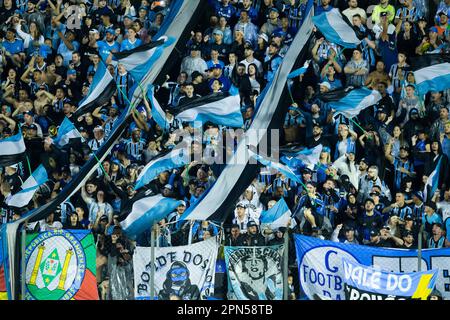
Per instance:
(152,259)
(286,264)
(23,273)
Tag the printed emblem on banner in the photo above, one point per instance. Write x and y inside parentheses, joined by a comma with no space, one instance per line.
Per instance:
(55,266)
(255,273)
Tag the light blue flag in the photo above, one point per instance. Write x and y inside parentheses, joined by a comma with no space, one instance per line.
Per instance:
(175,158)
(335,29)
(277,216)
(305,158)
(299,71)
(145,212)
(432,182)
(29,188)
(275,165)
(66,131)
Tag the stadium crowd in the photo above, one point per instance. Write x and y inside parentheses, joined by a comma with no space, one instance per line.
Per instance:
(367,187)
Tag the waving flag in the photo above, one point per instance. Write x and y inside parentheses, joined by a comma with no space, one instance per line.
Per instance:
(336,29)
(235,178)
(431,72)
(145,212)
(175,158)
(140,60)
(306,157)
(66,131)
(350,101)
(29,188)
(277,216)
(100,92)
(432,182)
(299,71)
(12,150)
(275,165)
(219,108)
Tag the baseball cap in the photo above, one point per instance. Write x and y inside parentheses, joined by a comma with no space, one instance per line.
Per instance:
(432,205)
(28,112)
(240,204)
(194,47)
(409,217)
(443,13)
(418,194)
(386,227)
(325,84)
(369,199)
(98,128)
(216,66)
(195,74)
(383,14)
(349,228)
(438,224)
(264,37)
(382,109)
(168,186)
(71,71)
(251,223)
(408,233)
(32,126)
(182,203)
(273,9)
(414,111)
(110,30)
(248,45)
(433,29)
(93,31)
(104,218)
(217,31)
(404,147)
(374,232)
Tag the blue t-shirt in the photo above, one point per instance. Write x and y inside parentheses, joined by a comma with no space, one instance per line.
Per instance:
(127,45)
(105,48)
(13,47)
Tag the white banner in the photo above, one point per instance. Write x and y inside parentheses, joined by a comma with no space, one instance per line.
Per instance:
(255,273)
(181,273)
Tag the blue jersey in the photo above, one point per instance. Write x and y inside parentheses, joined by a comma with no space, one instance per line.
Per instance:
(105,48)
(13,47)
(398,175)
(127,45)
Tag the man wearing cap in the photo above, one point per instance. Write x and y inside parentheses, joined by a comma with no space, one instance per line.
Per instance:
(272,61)
(241,217)
(403,167)
(249,58)
(430,217)
(219,45)
(68,44)
(98,140)
(193,62)
(272,23)
(418,208)
(249,30)
(108,46)
(437,239)
(217,74)
(253,237)
(349,234)
(368,220)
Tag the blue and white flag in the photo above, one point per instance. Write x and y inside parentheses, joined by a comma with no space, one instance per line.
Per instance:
(432,182)
(12,150)
(269,113)
(285,170)
(336,29)
(29,188)
(66,131)
(305,158)
(350,101)
(431,72)
(140,60)
(299,71)
(145,212)
(219,108)
(277,216)
(175,158)
(100,92)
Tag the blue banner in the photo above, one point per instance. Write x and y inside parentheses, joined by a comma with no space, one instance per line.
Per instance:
(367,283)
(321,272)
